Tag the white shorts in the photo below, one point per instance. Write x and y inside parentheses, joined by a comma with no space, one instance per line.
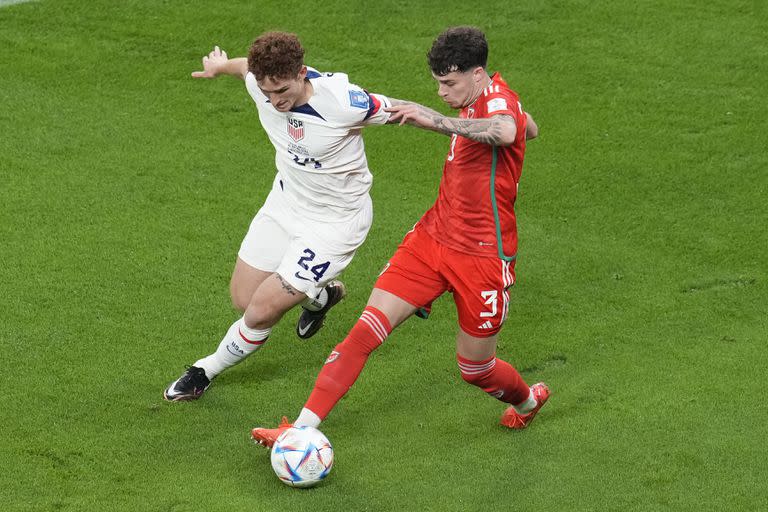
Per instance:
(306,253)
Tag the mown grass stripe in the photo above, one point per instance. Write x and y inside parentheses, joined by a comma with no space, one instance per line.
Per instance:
(6,3)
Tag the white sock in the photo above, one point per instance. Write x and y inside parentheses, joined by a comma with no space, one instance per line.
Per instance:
(307,419)
(528,405)
(239,342)
(317,303)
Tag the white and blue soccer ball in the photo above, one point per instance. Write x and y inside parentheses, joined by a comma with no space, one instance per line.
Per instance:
(302,456)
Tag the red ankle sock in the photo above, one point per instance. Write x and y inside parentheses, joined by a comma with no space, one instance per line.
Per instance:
(496,377)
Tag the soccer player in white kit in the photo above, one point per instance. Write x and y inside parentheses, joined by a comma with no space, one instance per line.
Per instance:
(318,212)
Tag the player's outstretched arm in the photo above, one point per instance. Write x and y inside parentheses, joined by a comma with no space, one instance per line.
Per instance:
(217,63)
(499,130)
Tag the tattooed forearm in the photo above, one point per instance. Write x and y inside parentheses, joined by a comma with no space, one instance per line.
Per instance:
(395,102)
(286,286)
(499,130)
(425,110)
(488,131)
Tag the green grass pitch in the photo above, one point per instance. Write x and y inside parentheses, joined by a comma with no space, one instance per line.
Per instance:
(126,187)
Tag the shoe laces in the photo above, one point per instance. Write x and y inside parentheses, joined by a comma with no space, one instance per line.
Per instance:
(192,375)
(520,419)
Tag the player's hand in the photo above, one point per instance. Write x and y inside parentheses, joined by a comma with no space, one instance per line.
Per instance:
(213,64)
(412,114)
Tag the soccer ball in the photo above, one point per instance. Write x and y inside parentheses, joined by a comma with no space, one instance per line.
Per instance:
(302,456)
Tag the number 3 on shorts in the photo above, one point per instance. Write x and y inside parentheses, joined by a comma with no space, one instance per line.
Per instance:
(490,297)
(317,270)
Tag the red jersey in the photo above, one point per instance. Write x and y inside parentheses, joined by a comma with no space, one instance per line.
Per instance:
(468,215)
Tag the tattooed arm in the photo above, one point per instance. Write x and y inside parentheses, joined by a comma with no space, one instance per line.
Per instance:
(499,130)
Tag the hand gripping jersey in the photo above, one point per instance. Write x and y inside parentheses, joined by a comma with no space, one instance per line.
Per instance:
(319,150)
(474,212)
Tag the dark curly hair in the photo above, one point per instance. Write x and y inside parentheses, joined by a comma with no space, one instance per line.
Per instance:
(458,49)
(275,55)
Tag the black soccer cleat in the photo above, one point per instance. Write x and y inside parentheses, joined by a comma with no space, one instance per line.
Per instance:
(311,321)
(190,386)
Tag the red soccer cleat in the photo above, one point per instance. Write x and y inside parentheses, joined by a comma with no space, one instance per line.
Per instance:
(512,419)
(268,436)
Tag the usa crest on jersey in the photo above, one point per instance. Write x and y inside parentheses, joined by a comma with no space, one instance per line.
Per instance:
(295,129)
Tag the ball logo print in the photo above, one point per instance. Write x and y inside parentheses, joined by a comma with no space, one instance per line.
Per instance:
(302,456)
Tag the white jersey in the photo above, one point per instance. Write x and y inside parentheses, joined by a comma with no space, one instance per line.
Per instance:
(319,150)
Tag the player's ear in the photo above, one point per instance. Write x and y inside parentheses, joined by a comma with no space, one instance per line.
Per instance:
(303,73)
(477,74)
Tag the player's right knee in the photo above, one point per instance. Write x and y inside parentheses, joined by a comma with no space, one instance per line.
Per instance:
(370,331)
(358,345)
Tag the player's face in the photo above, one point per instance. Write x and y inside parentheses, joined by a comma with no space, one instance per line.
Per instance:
(459,88)
(285,93)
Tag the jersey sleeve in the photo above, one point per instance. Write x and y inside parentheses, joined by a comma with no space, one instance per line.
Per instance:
(347,105)
(506,102)
(376,113)
(365,108)
(356,106)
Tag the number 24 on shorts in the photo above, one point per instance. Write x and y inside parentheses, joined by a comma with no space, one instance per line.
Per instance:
(317,270)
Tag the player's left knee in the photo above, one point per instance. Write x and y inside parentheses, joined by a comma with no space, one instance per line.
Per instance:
(239,303)
(261,316)
(240,295)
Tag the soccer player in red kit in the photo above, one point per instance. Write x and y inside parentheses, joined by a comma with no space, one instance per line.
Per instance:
(465,244)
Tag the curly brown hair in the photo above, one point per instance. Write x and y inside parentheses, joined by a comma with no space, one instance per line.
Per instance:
(458,49)
(275,55)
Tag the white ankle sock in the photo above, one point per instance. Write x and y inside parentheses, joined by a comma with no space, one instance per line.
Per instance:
(307,419)
(527,406)
(317,303)
(239,342)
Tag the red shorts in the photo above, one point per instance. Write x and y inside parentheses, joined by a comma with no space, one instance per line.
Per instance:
(422,269)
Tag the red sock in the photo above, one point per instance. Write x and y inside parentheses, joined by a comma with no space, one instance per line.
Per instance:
(496,377)
(345,363)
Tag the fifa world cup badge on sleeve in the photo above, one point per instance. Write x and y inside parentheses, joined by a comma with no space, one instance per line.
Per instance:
(358,99)
(497,104)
